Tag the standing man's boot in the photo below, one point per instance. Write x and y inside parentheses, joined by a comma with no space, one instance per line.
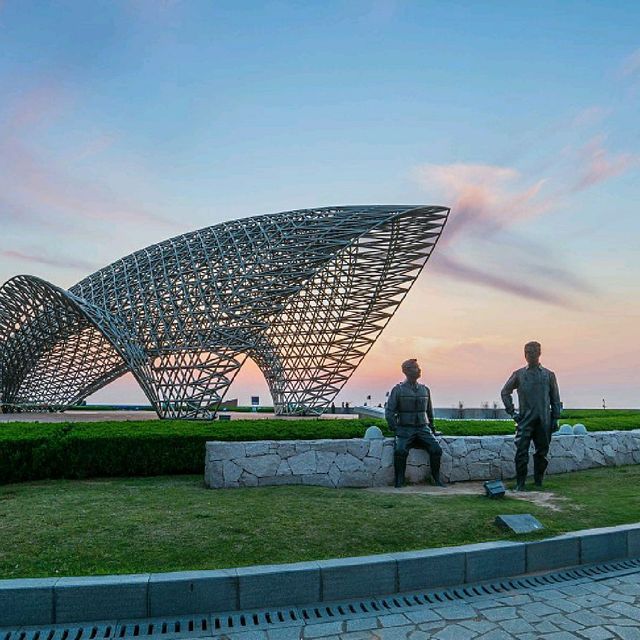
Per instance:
(539,467)
(435,471)
(520,482)
(399,467)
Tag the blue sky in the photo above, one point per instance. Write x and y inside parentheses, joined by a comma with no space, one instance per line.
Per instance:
(125,122)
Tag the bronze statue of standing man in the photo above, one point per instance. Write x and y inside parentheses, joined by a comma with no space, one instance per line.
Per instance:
(409,414)
(537,416)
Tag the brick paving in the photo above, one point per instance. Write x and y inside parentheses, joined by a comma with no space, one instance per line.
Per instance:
(585,609)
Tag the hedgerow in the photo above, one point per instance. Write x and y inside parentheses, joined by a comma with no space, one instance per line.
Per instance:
(34,451)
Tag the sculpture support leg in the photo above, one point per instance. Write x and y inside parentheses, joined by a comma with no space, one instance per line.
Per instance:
(541,441)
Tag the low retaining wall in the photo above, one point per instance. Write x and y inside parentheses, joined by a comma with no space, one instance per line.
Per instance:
(114,599)
(369,463)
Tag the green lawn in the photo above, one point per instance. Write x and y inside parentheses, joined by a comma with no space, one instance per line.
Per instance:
(129,525)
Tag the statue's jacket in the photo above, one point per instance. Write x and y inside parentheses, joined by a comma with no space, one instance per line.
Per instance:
(409,407)
(538,395)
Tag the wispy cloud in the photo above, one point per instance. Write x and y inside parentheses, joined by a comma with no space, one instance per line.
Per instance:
(630,67)
(527,289)
(50,261)
(598,164)
(37,185)
(484,198)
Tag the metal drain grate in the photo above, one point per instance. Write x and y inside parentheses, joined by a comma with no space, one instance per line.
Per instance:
(96,631)
(326,612)
(178,627)
(199,626)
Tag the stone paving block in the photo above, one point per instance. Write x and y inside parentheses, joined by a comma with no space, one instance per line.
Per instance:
(192,592)
(500,613)
(429,568)
(27,601)
(461,611)
(323,629)
(101,597)
(286,633)
(489,560)
(278,585)
(344,578)
(362,624)
(553,553)
(423,614)
(393,620)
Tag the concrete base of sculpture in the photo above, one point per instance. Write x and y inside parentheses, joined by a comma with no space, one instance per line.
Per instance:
(369,463)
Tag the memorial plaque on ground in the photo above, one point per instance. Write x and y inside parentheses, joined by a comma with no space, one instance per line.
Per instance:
(519,523)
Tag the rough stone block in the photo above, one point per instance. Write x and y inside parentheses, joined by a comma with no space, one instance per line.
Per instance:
(277,585)
(261,466)
(27,601)
(231,471)
(489,560)
(552,553)
(375,448)
(318,480)
(324,460)
(213,474)
(354,479)
(430,568)
(101,597)
(356,577)
(225,450)
(303,463)
(348,462)
(192,592)
(279,480)
(357,447)
(257,448)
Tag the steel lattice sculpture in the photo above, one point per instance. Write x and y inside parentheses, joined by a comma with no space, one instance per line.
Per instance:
(304,293)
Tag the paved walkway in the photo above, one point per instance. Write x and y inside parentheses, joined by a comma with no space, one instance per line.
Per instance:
(584,609)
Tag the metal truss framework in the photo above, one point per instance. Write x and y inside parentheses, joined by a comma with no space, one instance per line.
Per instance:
(304,293)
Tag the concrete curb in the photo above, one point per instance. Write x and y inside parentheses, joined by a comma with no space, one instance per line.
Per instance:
(85,599)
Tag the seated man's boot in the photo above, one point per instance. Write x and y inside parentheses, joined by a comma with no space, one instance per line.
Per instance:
(435,472)
(399,467)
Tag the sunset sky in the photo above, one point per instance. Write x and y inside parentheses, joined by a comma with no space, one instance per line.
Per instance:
(126,122)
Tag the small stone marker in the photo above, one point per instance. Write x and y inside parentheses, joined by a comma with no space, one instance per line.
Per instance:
(494,488)
(224,417)
(373,433)
(519,523)
(579,429)
(565,430)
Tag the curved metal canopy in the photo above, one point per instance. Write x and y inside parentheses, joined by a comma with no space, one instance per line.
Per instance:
(304,293)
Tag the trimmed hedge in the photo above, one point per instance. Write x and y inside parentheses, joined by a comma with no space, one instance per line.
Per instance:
(35,451)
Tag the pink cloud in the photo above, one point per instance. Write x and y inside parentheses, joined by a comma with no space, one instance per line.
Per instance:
(36,185)
(50,261)
(482,197)
(598,164)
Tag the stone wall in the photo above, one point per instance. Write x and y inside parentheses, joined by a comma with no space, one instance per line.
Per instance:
(369,463)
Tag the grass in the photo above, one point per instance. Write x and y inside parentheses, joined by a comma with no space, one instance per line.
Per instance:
(78,527)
